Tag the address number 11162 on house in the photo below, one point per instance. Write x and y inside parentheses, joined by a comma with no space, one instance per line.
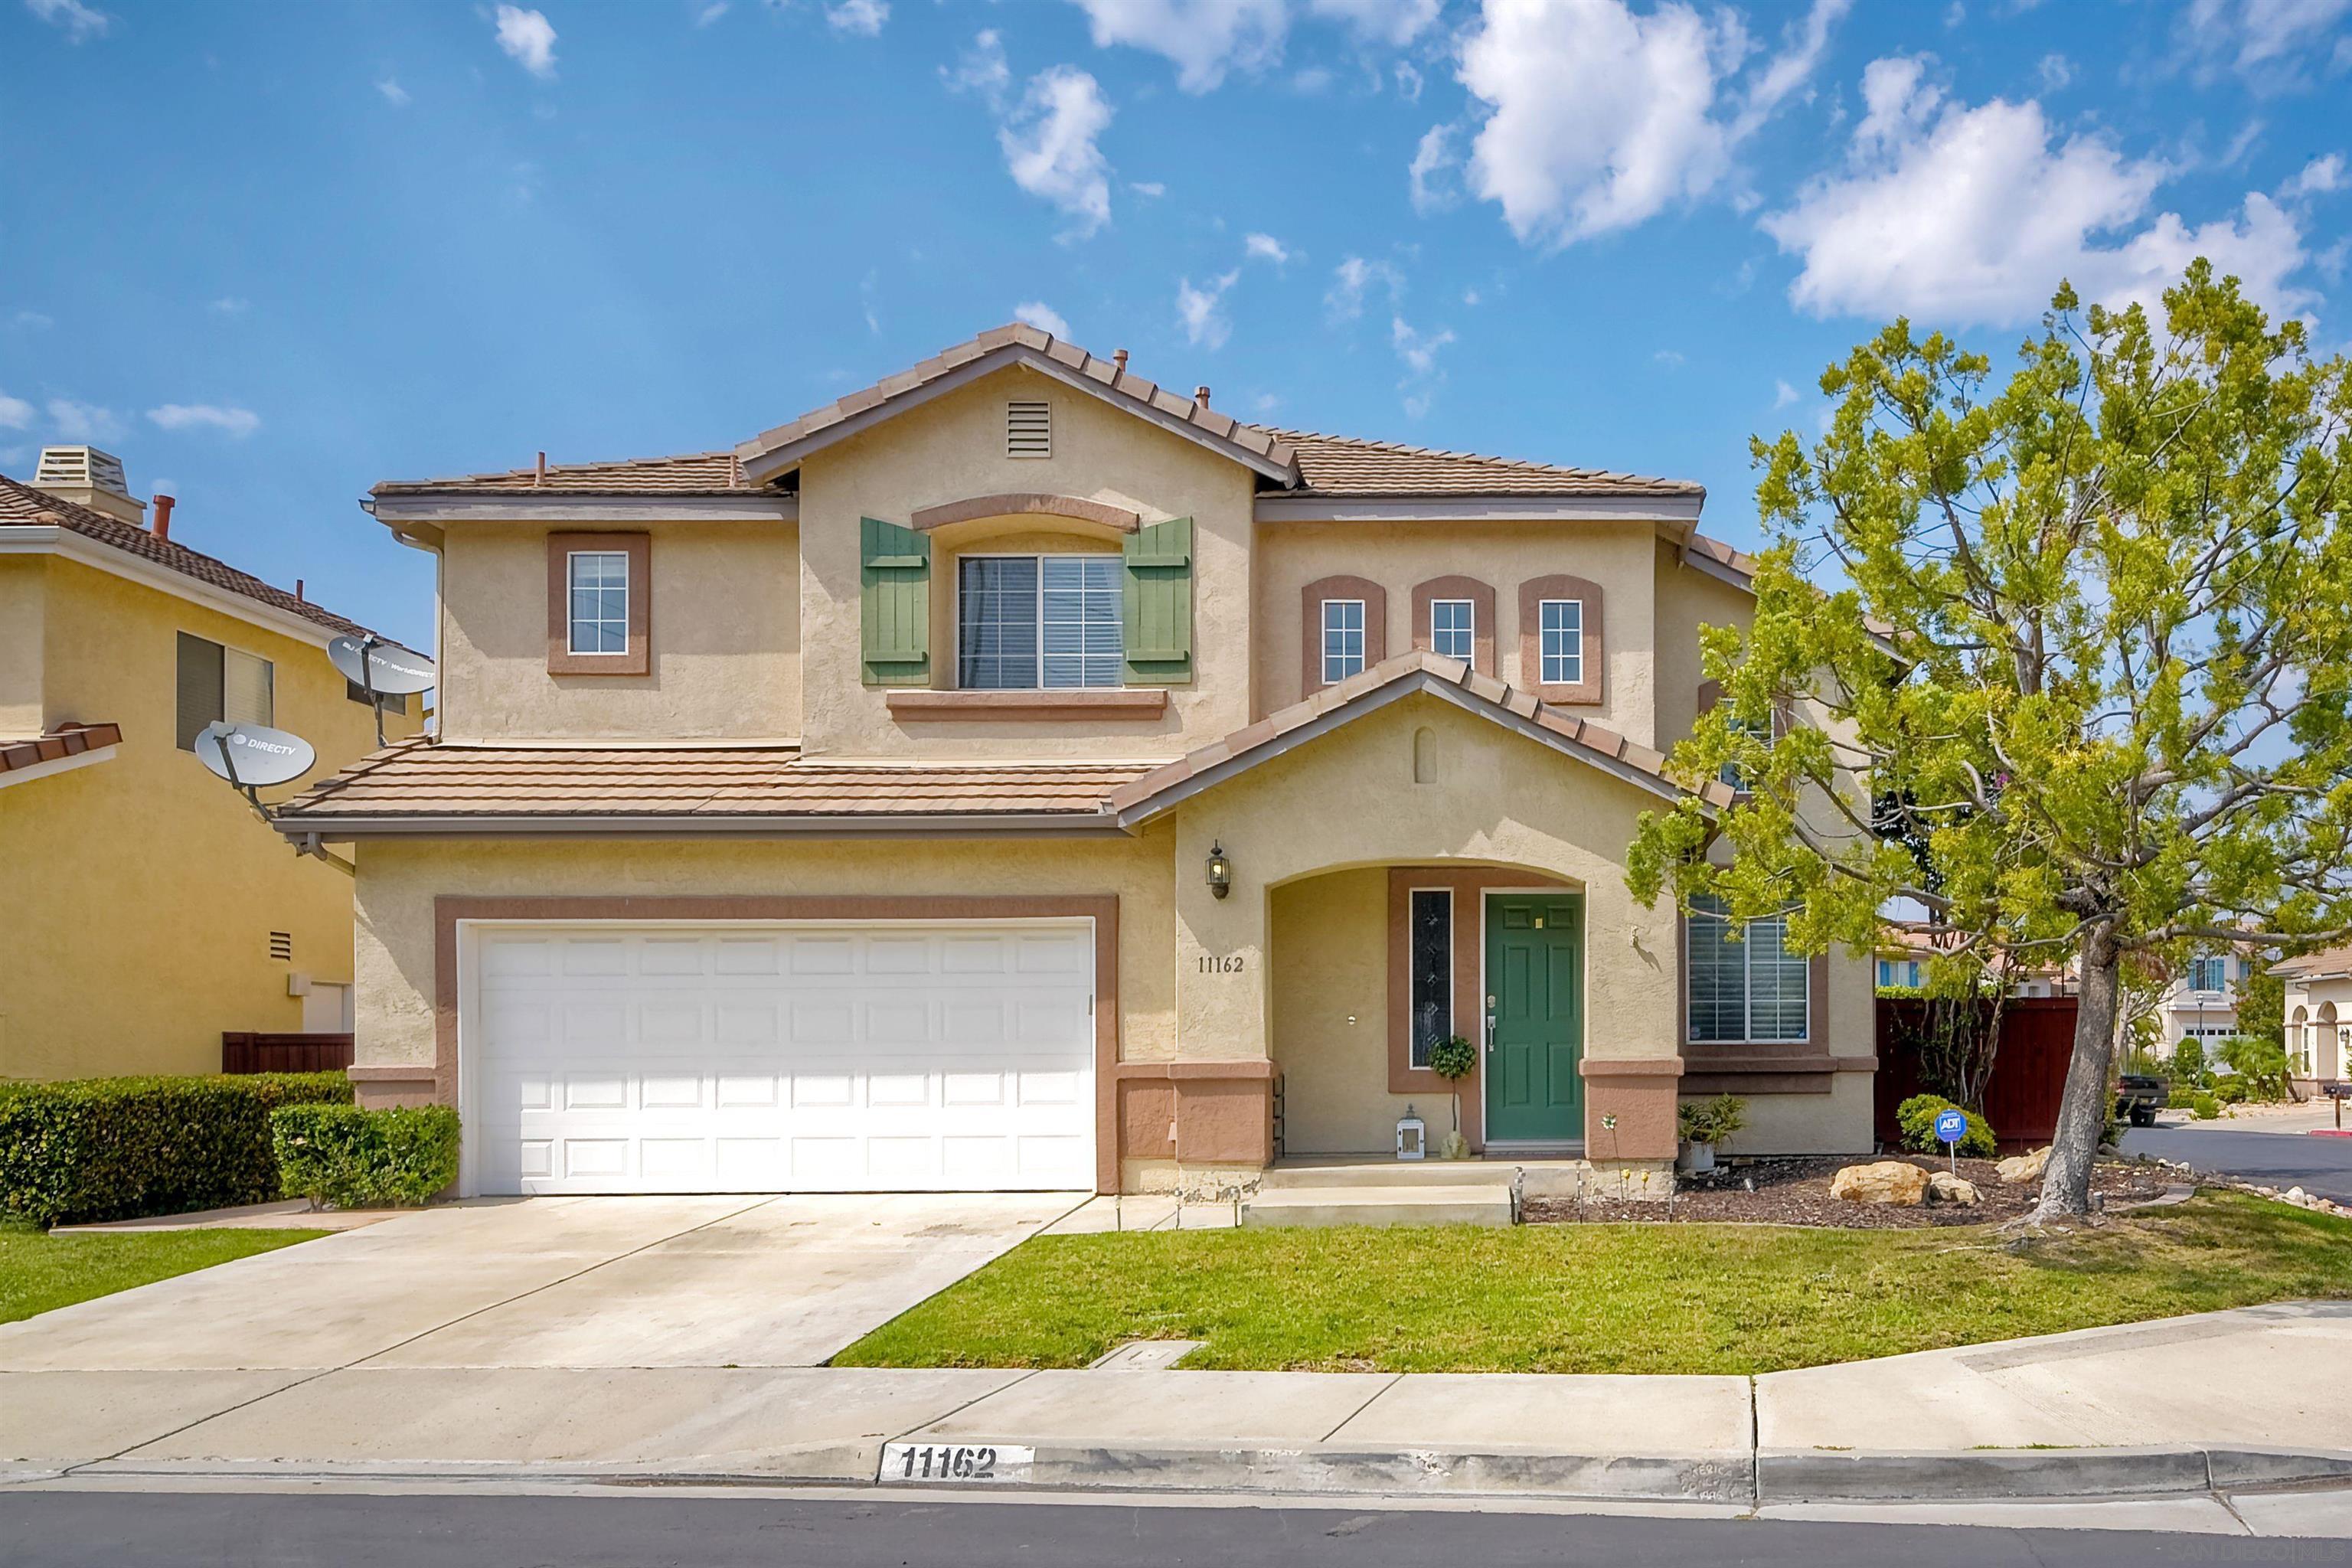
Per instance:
(955,1462)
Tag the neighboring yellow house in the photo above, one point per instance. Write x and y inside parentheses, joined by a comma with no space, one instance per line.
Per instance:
(1016,774)
(2318,1005)
(148,910)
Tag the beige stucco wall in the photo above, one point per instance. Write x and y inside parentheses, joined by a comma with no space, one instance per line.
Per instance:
(2320,1044)
(726,659)
(143,892)
(1619,556)
(1838,1122)
(1330,1007)
(952,449)
(1687,599)
(21,617)
(399,881)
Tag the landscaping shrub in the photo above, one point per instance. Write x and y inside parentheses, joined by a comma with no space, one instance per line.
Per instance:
(2204,1106)
(119,1148)
(352,1158)
(2189,1064)
(2181,1098)
(2257,1064)
(1916,1117)
(2230,1089)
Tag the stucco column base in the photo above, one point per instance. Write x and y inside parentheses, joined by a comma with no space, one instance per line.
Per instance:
(1631,1181)
(1211,1121)
(1198,1183)
(1630,1109)
(380,1088)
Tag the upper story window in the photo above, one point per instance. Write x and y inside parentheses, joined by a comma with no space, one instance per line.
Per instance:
(1025,622)
(1898,971)
(1028,429)
(599,581)
(1733,774)
(2208,973)
(219,684)
(1343,639)
(1453,628)
(1564,642)
(1747,990)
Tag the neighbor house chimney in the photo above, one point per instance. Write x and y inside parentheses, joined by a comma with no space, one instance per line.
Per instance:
(87,476)
(299,598)
(1119,361)
(163,505)
(539,478)
(1200,395)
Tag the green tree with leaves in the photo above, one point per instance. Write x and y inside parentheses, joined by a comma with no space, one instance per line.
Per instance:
(2094,634)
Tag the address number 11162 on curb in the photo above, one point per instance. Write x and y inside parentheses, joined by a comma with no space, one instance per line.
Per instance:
(954,1462)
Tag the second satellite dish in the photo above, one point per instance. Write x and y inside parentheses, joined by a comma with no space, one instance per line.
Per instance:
(252,757)
(385,667)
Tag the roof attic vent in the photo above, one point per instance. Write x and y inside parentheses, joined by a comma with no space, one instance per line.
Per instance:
(1028,430)
(87,476)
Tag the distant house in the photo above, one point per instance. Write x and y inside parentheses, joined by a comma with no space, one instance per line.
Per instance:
(2318,1016)
(148,911)
(1903,956)
(2201,1001)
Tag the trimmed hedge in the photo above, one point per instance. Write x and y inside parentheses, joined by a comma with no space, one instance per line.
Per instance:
(1916,1117)
(352,1158)
(120,1148)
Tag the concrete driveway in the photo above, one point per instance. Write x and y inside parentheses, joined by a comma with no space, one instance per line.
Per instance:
(553,1327)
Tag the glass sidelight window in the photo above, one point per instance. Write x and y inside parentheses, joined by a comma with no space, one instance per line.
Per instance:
(1743,990)
(1432,968)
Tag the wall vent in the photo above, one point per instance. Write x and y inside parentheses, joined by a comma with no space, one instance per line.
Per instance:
(1028,430)
(282,946)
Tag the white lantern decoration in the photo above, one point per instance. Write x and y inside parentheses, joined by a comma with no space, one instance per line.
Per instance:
(1413,1137)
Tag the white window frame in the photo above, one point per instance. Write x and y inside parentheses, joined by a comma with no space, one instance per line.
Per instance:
(1747,947)
(1332,660)
(572,621)
(1416,1052)
(1568,659)
(1468,630)
(1040,557)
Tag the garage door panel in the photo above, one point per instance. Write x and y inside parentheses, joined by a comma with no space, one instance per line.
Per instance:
(675,1059)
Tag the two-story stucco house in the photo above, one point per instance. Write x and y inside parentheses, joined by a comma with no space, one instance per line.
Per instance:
(1017,775)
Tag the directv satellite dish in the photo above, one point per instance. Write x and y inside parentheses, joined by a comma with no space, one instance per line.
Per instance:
(375,666)
(252,757)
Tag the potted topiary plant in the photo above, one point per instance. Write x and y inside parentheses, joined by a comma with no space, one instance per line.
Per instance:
(1707,1125)
(1453,1058)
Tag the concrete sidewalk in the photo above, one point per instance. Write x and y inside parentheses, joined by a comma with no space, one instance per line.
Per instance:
(2105,1411)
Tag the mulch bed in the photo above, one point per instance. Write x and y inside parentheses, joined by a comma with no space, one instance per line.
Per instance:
(1797,1191)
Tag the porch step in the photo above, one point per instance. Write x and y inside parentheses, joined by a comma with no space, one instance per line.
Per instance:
(1406,1203)
(1545,1178)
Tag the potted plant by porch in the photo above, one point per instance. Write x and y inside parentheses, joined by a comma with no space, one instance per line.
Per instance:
(1452,1058)
(1706,1125)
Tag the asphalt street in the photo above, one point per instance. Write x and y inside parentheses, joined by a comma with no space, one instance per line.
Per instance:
(198,1529)
(2321,1166)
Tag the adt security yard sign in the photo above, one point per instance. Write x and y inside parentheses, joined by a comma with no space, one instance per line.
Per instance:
(1951,1126)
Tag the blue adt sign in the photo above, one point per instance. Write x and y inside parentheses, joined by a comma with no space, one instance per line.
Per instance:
(1950,1127)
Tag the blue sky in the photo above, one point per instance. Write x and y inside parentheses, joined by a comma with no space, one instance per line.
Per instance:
(272,253)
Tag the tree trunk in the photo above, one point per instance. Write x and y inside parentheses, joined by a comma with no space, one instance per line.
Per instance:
(2082,1112)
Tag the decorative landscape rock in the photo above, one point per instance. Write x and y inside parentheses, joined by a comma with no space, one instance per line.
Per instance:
(1943,1188)
(2023,1167)
(1885,1181)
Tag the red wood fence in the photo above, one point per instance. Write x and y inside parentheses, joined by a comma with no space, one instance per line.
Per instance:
(2028,1071)
(244,1052)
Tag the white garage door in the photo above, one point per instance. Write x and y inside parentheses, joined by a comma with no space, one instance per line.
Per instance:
(780,1058)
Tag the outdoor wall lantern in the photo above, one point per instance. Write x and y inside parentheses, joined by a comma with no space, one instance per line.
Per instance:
(1412,1136)
(1221,870)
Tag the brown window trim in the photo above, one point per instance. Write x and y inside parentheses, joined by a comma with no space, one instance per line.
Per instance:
(1310,616)
(1073,704)
(1532,593)
(1019,503)
(637,658)
(1710,697)
(1482,610)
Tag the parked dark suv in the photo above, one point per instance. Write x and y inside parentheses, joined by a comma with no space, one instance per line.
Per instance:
(2139,1096)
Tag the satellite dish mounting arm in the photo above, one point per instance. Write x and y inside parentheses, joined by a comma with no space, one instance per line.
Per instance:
(367,684)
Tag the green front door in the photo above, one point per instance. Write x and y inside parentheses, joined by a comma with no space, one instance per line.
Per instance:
(1534,1017)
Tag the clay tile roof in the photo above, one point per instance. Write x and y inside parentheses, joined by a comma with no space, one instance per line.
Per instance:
(691,473)
(418,779)
(1347,466)
(2327,961)
(1142,795)
(65,740)
(22,506)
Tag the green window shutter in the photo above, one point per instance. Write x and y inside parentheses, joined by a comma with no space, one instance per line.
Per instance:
(894,604)
(1158,603)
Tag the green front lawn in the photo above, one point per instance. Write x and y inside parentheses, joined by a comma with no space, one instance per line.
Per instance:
(39,1271)
(1598,1298)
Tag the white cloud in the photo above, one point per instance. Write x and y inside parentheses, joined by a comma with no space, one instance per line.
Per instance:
(83,421)
(79,21)
(1355,277)
(15,414)
(710,13)
(1408,81)
(2269,40)
(1418,349)
(1396,21)
(2057,72)
(1147,188)
(1673,359)
(1201,309)
(2318,177)
(237,422)
(1043,317)
(1266,247)
(30,321)
(1973,215)
(1598,119)
(528,39)
(1430,176)
(860,19)
(1783,394)
(981,68)
(393,93)
(228,305)
(1049,145)
(1203,38)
